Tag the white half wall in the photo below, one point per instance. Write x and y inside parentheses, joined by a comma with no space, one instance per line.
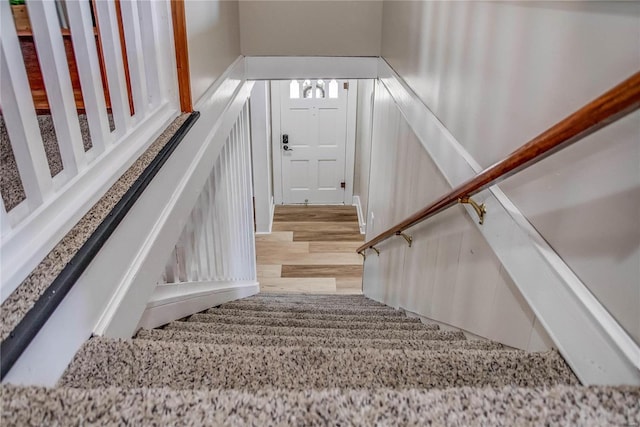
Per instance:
(450,274)
(260,103)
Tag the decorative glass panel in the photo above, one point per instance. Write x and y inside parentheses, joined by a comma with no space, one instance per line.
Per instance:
(307,89)
(320,86)
(294,89)
(333,89)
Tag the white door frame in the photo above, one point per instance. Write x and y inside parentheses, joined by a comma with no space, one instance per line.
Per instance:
(350,147)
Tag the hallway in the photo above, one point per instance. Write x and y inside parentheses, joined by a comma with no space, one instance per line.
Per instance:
(311,249)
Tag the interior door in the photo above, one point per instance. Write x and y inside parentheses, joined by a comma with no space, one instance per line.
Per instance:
(313,123)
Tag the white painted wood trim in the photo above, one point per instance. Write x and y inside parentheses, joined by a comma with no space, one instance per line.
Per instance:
(175,301)
(276,131)
(151,46)
(361,216)
(295,67)
(350,146)
(57,80)
(114,65)
(20,121)
(84,47)
(31,240)
(596,347)
(185,172)
(90,301)
(137,62)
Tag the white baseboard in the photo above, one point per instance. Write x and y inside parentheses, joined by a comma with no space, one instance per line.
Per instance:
(361,218)
(175,301)
(594,344)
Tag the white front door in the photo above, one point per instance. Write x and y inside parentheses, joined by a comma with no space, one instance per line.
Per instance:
(313,135)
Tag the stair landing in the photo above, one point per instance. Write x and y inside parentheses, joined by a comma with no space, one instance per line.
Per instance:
(311,249)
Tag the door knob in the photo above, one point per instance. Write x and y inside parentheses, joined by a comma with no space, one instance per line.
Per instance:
(286,148)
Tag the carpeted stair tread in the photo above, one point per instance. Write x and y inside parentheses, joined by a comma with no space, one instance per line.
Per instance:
(558,405)
(307,341)
(138,363)
(319,316)
(309,323)
(425,334)
(313,309)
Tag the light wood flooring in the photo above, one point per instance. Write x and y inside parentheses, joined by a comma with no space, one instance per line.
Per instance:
(311,249)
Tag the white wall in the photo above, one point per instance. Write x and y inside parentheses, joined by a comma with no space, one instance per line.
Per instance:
(364,123)
(261,155)
(450,274)
(213,32)
(497,74)
(310,28)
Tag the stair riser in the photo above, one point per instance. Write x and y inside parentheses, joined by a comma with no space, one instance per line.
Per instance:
(298,309)
(314,332)
(363,302)
(305,303)
(309,323)
(106,363)
(319,316)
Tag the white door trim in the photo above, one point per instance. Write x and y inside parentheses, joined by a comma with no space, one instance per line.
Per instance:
(275,143)
(350,146)
(350,154)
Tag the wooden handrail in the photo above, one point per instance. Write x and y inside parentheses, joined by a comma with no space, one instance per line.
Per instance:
(607,108)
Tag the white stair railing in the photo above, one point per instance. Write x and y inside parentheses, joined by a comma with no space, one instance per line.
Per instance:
(217,243)
(52,205)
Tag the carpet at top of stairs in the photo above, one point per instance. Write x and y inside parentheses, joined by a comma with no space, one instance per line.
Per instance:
(27,293)
(278,364)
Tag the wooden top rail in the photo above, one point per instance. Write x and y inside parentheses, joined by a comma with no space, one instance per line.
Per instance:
(607,108)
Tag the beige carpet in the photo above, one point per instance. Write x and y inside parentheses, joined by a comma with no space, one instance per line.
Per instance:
(310,360)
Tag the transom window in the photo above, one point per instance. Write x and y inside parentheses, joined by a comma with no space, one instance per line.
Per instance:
(317,89)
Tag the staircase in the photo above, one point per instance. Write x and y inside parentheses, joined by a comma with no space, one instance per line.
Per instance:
(313,359)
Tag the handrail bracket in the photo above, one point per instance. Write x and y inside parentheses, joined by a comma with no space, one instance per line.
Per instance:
(406,237)
(481,210)
(375,249)
(364,255)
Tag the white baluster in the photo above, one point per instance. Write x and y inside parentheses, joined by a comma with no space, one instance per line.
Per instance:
(5,227)
(114,65)
(135,52)
(248,194)
(242,194)
(216,225)
(207,230)
(57,80)
(235,205)
(226,206)
(200,243)
(20,116)
(251,237)
(151,44)
(84,47)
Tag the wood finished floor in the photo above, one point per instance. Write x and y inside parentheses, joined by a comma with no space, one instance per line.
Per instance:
(311,249)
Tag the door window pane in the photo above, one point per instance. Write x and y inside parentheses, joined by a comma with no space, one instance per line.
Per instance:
(333,89)
(294,89)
